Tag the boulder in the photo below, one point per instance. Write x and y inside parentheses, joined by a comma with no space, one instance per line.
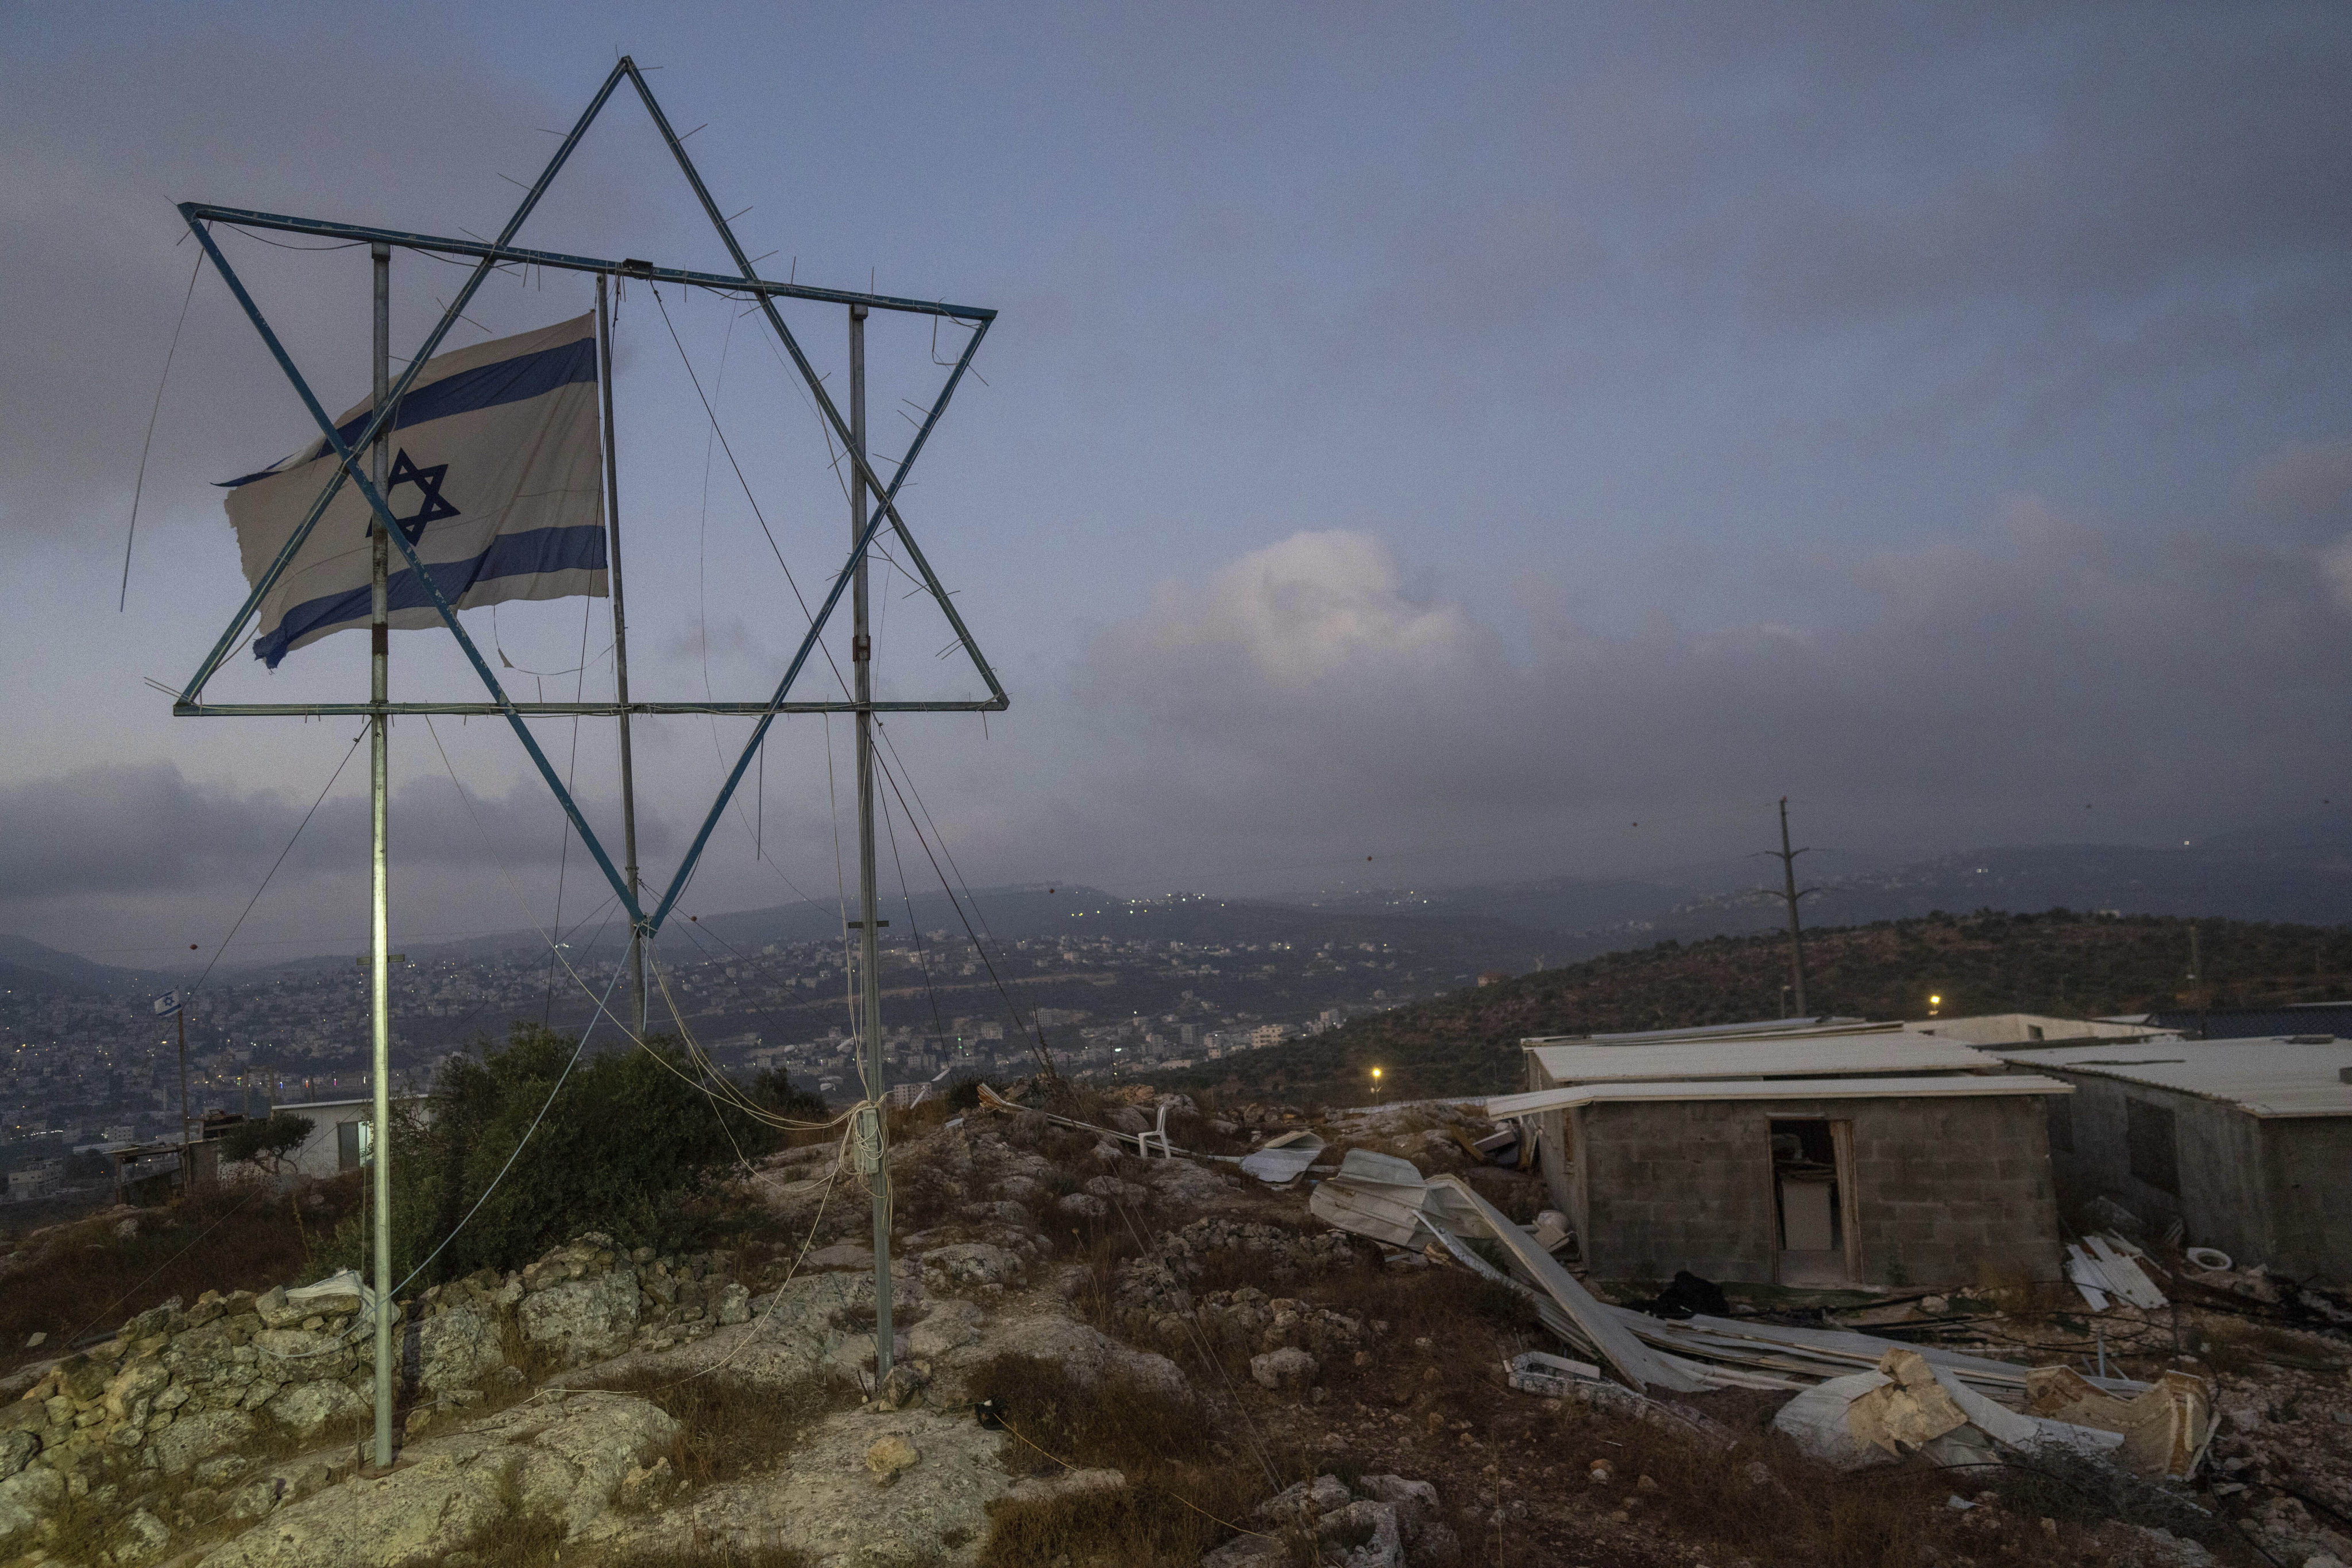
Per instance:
(17,1450)
(970,1263)
(189,1438)
(25,1498)
(307,1407)
(1373,1524)
(143,1536)
(585,1319)
(1081,1206)
(951,1324)
(457,1349)
(1285,1370)
(565,1462)
(889,1455)
(131,1392)
(1301,1504)
(1084,1353)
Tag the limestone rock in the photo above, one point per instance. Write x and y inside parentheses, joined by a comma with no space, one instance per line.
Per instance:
(307,1407)
(457,1349)
(841,1254)
(17,1451)
(1285,1370)
(566,1461)
(1082,1205)
(1375,1523)
(1110,1189)
(585,1319)
(970,1263)
(1086,1353)
(890,1454)
(1299,1505)
(26,1498)
(821,1501)
(1248,1551)
(951,1324)
(199,1436)
(143,1536)
(131,1392)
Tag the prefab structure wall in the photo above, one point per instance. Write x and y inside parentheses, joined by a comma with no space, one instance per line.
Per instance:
(1940,1189)
(2273,1190)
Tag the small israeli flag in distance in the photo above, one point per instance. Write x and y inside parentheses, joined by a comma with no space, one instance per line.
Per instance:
(167,1004)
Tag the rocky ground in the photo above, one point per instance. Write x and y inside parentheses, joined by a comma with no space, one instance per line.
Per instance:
(1100,1360)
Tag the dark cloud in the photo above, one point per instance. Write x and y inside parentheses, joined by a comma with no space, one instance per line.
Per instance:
(140,829)
(1302,702)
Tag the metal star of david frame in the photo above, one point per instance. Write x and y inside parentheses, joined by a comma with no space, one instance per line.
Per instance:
(490,255)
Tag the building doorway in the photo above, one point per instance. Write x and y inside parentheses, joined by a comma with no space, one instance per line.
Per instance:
(1812,1202)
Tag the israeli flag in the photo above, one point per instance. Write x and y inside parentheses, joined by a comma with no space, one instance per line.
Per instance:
(495,477)
(167,1004)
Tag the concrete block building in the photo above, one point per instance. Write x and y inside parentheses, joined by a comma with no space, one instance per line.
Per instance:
(1800,1153)
(2246,1144)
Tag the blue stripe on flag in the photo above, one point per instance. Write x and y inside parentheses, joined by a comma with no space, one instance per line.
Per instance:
(524,555)
(486,386)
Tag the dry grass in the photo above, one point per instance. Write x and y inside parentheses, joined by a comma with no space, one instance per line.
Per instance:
(84,1278)
(1186,1479)
(712,1557)
(727,1427)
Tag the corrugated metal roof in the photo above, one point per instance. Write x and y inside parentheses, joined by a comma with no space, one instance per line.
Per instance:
(2259,1023)
(1799,1089)
(2271,1077)
(1809,1056)
(1765,1028)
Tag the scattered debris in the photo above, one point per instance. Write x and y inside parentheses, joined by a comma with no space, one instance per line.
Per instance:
(2107,1270)
(1283,1158)
(2165,1430)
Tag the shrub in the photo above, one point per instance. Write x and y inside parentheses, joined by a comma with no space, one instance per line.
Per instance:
(622,1147)
(266,1143)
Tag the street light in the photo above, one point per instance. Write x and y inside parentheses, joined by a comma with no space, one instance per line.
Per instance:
(1934,1000)
(1376,1083)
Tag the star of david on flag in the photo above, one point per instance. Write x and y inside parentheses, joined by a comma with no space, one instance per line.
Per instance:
(499,449)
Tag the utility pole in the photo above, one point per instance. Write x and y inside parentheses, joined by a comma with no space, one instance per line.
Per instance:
(2197,985)
(1788,858)
(379,956)
(877,1132)
(187,1152)
(620,637)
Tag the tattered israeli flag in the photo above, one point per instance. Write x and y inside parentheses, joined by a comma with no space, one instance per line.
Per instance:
(494,477)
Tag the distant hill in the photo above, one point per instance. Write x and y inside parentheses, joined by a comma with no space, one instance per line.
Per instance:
(26,965)
(2300,872)
(1012,914)
(2060,962)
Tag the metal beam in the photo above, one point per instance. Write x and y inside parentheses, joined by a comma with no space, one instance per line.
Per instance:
(557,260)
(568,710)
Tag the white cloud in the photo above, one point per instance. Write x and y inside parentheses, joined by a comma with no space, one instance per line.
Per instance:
(1309,607)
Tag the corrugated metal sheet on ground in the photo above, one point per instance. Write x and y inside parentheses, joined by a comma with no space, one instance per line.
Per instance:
(1836,1056)
(1791,1089)
(2265,1078)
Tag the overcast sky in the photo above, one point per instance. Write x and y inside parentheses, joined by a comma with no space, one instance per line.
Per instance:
(1451,439)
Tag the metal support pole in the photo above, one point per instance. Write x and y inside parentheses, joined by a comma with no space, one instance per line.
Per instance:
(380,953)
(1796,932)
(868,902)
(187,1155)
(620,636)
